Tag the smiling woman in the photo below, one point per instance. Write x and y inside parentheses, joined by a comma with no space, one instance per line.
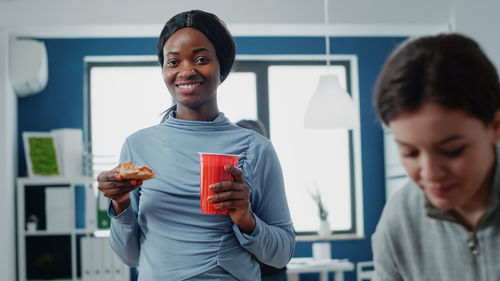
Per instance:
(440,96)
(158,224)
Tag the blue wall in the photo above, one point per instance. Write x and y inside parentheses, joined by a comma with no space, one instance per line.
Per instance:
(61,105)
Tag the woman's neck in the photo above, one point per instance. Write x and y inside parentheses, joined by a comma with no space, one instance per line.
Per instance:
(470,217)
(471,213)
(191,114)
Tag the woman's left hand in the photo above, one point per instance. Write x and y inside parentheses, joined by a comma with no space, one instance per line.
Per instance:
(234,196)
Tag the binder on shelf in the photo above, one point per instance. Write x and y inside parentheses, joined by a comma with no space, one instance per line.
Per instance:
(86,259)
(103,220)
(97,259)
(80,206)
(100,263)
(107,257)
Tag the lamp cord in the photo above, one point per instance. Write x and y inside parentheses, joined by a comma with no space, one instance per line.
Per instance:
(327,37)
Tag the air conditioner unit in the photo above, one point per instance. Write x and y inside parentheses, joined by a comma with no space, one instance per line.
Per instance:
(28,66)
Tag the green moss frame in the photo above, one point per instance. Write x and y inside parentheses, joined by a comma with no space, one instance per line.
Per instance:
(42,157)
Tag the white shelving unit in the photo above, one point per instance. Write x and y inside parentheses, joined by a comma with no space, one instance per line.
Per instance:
(23,186)
(395,174)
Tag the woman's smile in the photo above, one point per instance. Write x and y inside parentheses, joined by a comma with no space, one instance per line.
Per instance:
(442,191)
(188,87)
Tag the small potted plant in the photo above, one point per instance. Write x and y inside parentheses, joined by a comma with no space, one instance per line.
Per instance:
(32,223)
(324,225)
(321,250)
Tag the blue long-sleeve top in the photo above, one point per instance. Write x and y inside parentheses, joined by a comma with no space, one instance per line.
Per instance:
(163,231)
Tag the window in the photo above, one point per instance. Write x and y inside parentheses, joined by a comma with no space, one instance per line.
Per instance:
(274,91)
(311,159)
(324,160)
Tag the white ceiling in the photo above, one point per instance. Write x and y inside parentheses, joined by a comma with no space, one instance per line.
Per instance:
(132,17)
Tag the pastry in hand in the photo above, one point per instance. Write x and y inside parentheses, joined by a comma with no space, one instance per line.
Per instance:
(132,172)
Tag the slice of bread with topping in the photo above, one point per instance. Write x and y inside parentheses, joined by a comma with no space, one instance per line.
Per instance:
(130,171)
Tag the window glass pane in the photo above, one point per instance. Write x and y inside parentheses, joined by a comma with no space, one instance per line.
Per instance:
(237,96)
(123,100)
(310,158)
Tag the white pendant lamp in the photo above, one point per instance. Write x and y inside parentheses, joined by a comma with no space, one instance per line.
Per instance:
(330,107)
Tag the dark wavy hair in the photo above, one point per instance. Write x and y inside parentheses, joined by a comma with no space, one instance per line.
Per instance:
(449,70)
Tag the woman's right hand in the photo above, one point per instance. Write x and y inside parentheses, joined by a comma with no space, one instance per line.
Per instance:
(116,189)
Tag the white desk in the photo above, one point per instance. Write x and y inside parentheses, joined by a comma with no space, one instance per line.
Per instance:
(308,265)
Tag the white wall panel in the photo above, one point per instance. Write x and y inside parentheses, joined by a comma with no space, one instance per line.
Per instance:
(480,20)
(8,163)
(62,18)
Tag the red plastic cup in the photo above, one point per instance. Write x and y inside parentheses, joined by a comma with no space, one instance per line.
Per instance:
(212,171)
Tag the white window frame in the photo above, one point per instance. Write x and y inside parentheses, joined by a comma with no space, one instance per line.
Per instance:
(356,134)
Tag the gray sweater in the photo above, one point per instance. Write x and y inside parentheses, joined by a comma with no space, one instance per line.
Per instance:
(415,241)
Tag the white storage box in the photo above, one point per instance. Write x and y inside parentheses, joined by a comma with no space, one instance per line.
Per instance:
(59,211)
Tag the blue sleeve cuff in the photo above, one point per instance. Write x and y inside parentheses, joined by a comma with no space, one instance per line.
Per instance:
(246,239)
(126,217)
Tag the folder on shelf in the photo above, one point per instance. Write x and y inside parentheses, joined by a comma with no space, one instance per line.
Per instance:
(80,201)
(97,259)
(92,259)
(103,220)
(107,256)
(86,259)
